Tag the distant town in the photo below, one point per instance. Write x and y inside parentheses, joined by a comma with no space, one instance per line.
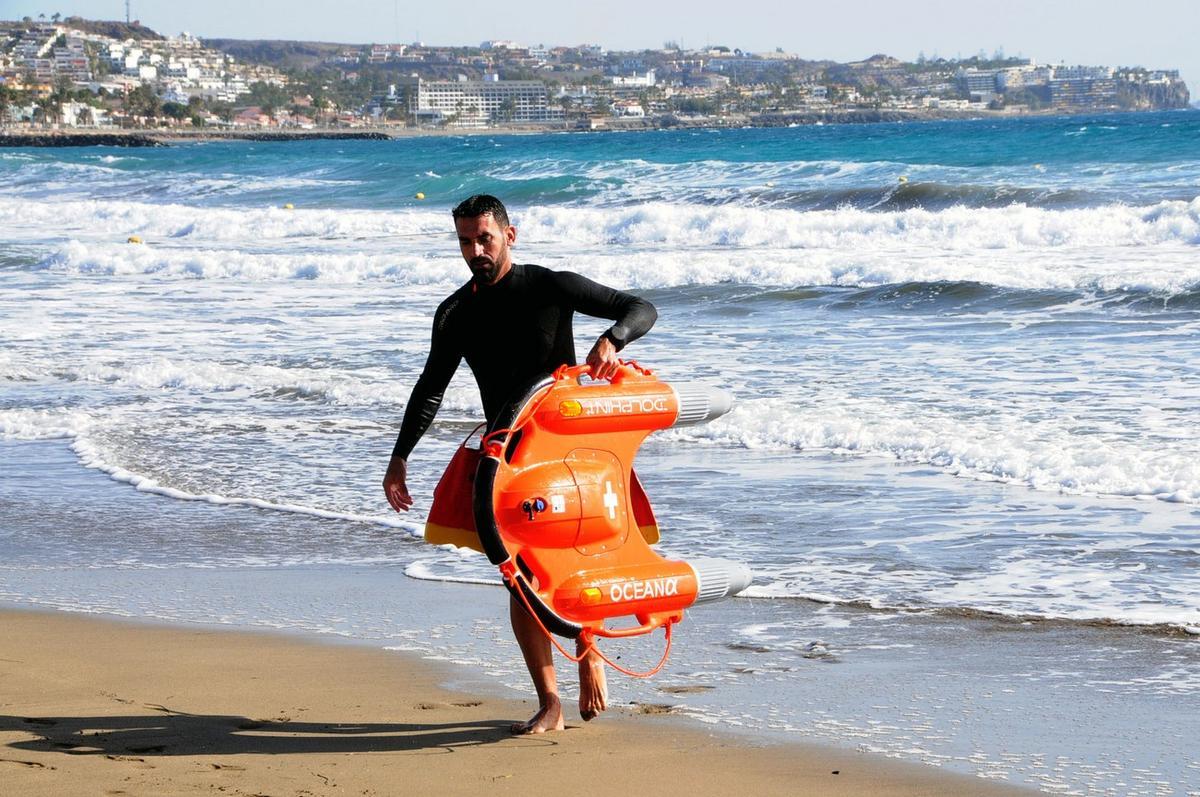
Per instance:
(72,73)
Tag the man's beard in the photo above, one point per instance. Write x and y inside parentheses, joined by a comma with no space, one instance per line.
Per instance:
(484,270)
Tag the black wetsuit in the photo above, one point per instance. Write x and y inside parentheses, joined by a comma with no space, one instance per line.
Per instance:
(510,333)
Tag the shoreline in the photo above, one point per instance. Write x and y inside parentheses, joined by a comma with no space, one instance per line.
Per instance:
(972,695)
(160,137)
(97,702)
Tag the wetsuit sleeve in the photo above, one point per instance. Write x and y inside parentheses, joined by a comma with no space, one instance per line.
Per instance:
(633,315)
(444,357)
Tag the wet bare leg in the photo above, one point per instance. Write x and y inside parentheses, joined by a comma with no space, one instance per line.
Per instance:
(540,662)
(593,688)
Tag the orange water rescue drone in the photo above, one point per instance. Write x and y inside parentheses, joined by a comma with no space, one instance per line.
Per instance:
(555,504)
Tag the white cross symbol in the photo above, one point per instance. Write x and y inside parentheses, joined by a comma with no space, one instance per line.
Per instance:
(610,500)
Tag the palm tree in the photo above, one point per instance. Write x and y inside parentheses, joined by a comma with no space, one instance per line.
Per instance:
(7,98)
(411,103)
(318,102)
(52,104)
(143,102)
(44,111)
(508,109)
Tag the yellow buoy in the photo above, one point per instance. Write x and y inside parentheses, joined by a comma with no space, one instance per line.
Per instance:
(904,178)
(287,206)
(420,195)
(133,239)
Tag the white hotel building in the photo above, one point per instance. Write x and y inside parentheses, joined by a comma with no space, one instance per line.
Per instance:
(479,103)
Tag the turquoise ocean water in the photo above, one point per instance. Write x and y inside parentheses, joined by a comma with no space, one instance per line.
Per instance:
(965,356)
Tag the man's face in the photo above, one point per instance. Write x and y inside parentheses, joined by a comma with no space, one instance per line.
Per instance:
(485,247)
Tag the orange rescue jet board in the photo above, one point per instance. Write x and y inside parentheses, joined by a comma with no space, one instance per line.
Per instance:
(557,507)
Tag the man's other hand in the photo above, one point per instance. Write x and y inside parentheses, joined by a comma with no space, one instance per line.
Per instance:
(603,359)
(395,485)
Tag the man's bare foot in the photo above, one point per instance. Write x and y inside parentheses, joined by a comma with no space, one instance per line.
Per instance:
(593,688)
(548,718)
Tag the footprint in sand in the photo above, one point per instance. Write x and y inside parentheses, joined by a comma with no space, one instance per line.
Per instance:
(653,708)
(468,703)
(117,698)
(26,764)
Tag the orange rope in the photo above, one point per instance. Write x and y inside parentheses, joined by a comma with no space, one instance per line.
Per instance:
(647,673)
(591,642)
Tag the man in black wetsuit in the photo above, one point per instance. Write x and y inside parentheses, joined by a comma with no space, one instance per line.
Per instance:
(512,323)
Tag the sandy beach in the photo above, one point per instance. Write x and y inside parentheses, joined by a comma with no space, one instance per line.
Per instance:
(97,706)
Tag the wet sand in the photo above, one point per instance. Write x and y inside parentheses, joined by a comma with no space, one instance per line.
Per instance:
(99,706)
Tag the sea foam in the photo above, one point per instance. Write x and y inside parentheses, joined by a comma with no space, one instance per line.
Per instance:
(30,425)
(1110,248)
(1040,456)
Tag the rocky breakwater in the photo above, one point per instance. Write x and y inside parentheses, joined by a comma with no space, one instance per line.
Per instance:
(164,138)
(71,139)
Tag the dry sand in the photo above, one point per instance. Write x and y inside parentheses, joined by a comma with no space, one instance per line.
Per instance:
(101,707)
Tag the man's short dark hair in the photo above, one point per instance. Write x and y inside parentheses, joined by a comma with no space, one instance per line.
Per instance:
(480,204)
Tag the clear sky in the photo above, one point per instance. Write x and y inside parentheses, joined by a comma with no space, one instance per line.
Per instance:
(1150,33)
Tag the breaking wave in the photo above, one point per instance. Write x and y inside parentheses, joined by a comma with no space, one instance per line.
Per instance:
(157,373)
(1112,248)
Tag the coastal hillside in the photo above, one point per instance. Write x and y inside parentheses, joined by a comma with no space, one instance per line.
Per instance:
(763,82)
(279,53)
(114,29)
(74,72)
